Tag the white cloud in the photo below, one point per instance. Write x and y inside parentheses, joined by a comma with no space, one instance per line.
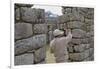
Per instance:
(54,9)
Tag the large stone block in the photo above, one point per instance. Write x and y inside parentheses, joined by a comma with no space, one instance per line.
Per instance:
(81,47)
(87,12)
(40,40)
(71,17)
(40,29)
(40,55)
(32,15)
(89,22)
(23,30)
(90,34)
(22,46)
(81,41)
(82,11)
(79,56)
(24,59)
(76,56)
(78,33)
(92,44)
(90,58)
(63,18)
(90,13)
(25,45)
(68,10)
(91,51)
(90,28)
(75,24)
(76,17)
(76,41)
(86,40)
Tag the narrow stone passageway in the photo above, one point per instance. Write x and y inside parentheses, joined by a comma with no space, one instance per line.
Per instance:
(34,30)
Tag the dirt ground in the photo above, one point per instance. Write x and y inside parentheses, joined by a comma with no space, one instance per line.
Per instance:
(49,56)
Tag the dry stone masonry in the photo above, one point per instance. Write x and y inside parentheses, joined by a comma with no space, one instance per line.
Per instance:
(81,22)
(33,31)
(30,40)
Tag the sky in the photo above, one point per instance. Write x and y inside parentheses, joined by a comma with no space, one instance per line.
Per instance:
(54,9)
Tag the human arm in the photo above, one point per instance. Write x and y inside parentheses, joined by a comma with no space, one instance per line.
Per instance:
(69,35)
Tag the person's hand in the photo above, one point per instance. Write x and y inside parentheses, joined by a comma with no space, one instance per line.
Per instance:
(69,30)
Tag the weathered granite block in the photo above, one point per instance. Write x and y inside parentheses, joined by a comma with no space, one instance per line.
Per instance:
(76,56)
(78,33)
(89,22)
(79,56)
(76,41)
(32,15)
(24,59)
(91,51)
(82,11)
(40,29)
(90,34)
(68,10)
(81,41)
(32,43)
(40,55)
(90,28)
(90,13)
(81,47)
(63,18)
(75,24)
(22,46)
(40,40)
(76,17)
(23,30)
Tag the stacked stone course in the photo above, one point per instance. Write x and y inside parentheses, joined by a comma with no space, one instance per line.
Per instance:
(81,22)
(30,35)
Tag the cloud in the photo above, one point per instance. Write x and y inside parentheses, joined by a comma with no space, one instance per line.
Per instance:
(54,9)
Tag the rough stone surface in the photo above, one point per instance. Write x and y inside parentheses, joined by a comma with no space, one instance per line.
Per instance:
(23,30)
(24,59)
(32,15)
(81,22)
(81,41)
(40,55)
(76,56)
(81,47)
(40,29)
(17,14)
(22,46)
(78,33)
(40,40)
(75,17)
(79,56)
(89,22)
(75,24)
(32,34)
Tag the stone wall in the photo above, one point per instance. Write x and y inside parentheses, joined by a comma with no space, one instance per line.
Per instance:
(81,22)
(30,40)
(33,31)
